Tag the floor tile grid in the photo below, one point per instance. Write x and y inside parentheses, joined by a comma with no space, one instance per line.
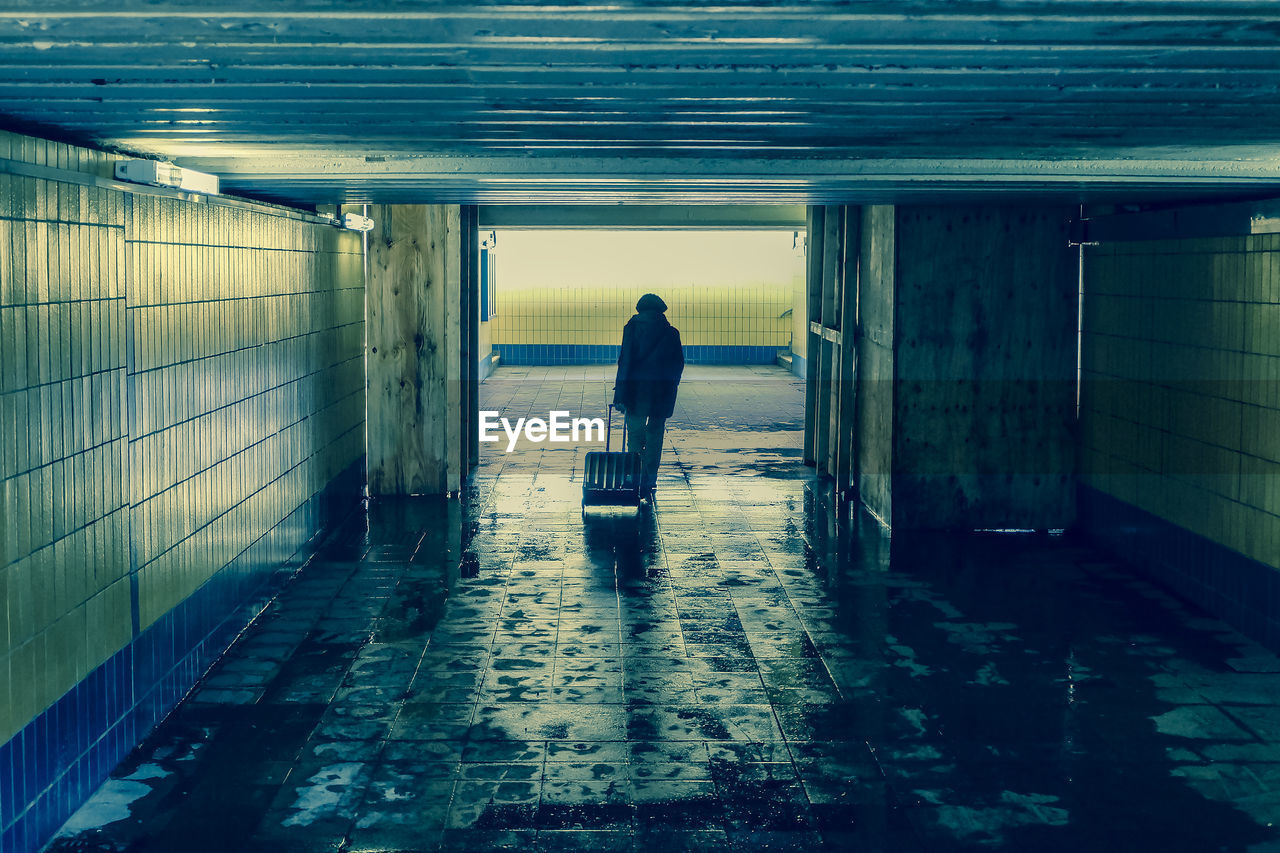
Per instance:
(334,725)
(676,597)
(720,510)
(562,590)
(759,657)
(384,759)
(380,761)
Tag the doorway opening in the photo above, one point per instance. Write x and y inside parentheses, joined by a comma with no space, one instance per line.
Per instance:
(557,302)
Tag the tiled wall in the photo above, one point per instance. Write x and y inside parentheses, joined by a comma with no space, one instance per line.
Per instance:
(181,407)
(245,384)
(718,324)
(799,321)
(484,349)
(62,376)
(1180,417)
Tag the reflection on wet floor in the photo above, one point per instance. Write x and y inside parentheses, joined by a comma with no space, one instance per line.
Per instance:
(741,668)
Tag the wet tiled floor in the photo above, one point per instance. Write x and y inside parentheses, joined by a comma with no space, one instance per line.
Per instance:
(736,669)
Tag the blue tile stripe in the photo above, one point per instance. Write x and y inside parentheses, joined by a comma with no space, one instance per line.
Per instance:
(799,366)
(536,354)
(58,759)
(1237,588)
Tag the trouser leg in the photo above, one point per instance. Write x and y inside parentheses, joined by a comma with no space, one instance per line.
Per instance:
(653,450)
(637,434)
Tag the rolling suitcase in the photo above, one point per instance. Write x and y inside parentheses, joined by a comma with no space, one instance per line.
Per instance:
(608,478)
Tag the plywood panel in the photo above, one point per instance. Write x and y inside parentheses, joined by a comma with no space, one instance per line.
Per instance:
(813,313)
(984,354)
(847,396)
(875,412)
(471,317)
(832,252)
(415,350)
(451,334)
(832,287)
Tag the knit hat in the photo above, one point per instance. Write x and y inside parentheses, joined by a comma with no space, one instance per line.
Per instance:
(651,302)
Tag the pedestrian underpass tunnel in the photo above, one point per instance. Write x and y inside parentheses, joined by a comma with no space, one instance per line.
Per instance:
(966,529)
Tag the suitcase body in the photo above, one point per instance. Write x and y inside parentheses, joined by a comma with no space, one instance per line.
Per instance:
(611,478)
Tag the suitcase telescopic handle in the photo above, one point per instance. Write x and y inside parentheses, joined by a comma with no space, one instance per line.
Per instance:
(608,432)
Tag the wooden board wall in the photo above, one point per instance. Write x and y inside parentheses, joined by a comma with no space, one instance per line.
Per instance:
(875,404)
(956,327)
(813,314)
(832,286)
(984,357)
(471,339)
(415,340)
(846,370)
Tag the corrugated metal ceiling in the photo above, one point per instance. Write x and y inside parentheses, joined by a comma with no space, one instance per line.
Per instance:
(325,100)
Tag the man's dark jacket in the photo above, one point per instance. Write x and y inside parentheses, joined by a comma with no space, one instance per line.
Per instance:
(649,366)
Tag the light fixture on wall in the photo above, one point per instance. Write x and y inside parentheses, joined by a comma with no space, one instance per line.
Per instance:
(159,174)
(356,222)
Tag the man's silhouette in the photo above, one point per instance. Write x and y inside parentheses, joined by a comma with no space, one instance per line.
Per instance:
(649,369)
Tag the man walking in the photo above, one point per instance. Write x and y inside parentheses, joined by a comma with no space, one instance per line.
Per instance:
(649,369)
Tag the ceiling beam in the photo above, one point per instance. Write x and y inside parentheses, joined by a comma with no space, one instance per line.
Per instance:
(643,217)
